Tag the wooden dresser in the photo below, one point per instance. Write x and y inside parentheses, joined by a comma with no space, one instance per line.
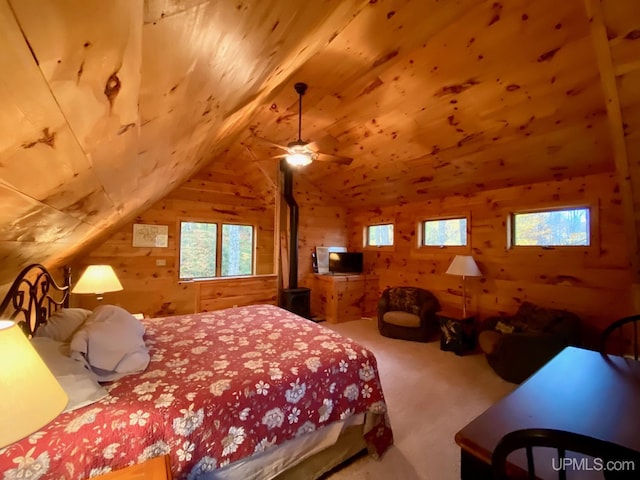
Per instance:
(157,468)
(340,298)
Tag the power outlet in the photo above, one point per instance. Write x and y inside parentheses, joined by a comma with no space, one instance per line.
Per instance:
(161,262)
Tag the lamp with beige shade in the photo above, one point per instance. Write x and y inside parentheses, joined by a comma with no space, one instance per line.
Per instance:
(464,266)
(31,395)
(98,279)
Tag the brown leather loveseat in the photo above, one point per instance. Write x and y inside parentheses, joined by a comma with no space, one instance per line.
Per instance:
(518,345)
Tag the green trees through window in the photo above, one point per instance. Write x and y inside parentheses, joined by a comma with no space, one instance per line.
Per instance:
(569,227)
(380,235)
(200,250)
(237,250)
(445,233)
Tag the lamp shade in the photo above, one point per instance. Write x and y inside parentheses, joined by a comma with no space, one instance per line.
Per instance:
(98,279)
(465,266)
(31,395)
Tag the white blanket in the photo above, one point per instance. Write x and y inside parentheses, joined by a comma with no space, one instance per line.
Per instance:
(111,342)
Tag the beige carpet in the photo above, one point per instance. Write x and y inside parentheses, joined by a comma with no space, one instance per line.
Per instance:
(431,395)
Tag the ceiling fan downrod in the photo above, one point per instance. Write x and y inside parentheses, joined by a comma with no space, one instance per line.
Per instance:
(301,88)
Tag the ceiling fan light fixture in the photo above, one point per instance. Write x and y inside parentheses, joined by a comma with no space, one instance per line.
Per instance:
(299,158)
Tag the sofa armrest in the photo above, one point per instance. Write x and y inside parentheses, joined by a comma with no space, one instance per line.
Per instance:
(428,308)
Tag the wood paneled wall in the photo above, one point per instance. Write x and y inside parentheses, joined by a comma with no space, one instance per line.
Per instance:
(593,282)
(218,294)
(322,223)
(213,195)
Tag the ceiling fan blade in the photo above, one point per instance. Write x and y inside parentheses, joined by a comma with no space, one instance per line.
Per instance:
(325,157)
(327,143)
(273,144)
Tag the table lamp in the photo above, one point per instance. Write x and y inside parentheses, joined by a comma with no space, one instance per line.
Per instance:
(464,266)
(31,395)
(98,279)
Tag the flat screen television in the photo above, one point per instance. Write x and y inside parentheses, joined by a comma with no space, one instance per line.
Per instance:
(345,262)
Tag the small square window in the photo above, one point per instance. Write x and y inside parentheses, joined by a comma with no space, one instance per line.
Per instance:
(380,235)
(552,228)
(450,232)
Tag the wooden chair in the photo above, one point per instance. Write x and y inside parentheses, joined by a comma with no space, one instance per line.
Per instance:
(621,337)
(600,451)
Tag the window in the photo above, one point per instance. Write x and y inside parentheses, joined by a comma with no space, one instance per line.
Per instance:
(380,235)
(198,250)
(450,232)
(237,250)
(551,228)
(207,251)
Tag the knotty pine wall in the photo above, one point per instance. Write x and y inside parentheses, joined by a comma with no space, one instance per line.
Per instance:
(321,223)
(593,282)
(212,195)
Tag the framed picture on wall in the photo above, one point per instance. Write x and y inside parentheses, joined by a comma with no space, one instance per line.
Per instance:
(150,235)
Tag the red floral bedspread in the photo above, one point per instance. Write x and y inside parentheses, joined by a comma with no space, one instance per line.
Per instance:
(220,387)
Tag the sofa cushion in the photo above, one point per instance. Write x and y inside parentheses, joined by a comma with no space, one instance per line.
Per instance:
(402,319)
(488,341)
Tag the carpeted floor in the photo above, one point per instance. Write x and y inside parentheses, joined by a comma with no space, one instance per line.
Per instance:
(431,395)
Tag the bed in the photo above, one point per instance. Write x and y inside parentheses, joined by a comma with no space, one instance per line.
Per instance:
(251,392)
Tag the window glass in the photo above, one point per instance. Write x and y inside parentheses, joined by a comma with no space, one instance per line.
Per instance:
(237,250)
(380,235)
(448,233)
(552,228)
(197,250)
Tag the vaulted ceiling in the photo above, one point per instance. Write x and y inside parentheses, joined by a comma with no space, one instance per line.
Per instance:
(108,106)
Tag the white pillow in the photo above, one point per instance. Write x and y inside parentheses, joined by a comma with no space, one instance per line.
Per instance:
(63,323)
(76,379)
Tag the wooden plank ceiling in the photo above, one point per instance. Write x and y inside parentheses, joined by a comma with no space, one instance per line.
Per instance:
(108,106)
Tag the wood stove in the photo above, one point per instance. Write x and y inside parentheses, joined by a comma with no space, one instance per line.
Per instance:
(296,300)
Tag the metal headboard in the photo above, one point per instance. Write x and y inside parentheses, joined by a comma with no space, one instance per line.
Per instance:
(34,296)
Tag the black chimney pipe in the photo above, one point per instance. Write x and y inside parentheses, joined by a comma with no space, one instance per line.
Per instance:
(293,223)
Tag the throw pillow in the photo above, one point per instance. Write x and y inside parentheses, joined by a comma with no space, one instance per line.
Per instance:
(402,298)
(503,327)
(63,323)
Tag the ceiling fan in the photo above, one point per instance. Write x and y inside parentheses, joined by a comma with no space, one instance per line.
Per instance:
(301,153)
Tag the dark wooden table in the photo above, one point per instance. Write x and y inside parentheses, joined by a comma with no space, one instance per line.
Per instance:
(578,390)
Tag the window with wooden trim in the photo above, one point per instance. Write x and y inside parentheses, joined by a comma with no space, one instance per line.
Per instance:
(445,232)
(560,227)
(210,250)
(379,235)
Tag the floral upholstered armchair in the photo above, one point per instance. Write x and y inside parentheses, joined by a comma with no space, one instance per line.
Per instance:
(408,313)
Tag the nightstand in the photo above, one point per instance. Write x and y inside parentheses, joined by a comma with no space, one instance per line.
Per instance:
(157,468)
(458,332)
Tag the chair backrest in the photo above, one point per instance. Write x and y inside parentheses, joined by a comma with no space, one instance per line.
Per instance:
(627,462)
(410,299)
(621,337)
